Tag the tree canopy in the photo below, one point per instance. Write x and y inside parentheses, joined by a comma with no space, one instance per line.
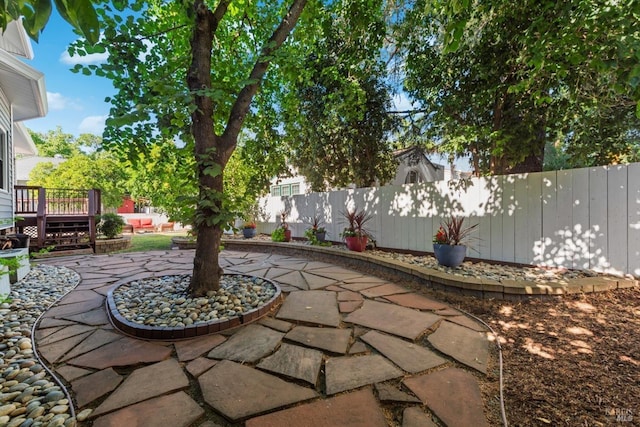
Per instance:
(337,122)
(501,80)
(100,171)
(189,71)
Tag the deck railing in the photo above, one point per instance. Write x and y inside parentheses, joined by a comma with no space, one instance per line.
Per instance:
(56,201)
(35,204)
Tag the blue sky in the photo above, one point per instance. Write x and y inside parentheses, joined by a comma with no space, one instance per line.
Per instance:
(76,101)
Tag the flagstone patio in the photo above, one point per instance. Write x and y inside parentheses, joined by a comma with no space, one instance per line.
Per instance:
(344,348)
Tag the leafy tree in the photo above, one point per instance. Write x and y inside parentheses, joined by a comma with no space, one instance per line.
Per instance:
(165,175)
(100,171)
(56,142)
(35,15)
(338,126)
(200,71)
(502,80)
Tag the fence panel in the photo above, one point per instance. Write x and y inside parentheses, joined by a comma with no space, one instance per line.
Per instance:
(598,247)
(633,219)
(616,232)
(581,218)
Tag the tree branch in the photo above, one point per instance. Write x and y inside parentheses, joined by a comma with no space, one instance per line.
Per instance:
(243,102)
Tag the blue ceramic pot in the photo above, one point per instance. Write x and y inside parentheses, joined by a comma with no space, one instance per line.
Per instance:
(248,232)
(448,255)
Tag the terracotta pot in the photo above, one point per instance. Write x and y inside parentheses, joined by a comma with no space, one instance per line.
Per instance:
(287,235)
(356,243)
(449,255)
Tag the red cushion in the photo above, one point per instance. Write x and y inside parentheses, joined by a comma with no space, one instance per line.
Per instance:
(135,222)
(146,222)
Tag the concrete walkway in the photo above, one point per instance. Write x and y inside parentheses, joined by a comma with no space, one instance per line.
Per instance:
(343,349)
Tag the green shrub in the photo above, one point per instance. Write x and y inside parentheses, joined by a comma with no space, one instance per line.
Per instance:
(278,235)
(110,225)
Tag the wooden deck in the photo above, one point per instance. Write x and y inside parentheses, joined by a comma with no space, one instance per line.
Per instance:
(57,219)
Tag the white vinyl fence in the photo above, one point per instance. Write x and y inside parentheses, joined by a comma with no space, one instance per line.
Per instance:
(580,218)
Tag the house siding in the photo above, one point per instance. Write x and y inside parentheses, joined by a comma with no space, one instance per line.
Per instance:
(6,199)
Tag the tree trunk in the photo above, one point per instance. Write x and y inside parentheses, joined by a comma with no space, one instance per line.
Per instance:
(211,149)
(206,270)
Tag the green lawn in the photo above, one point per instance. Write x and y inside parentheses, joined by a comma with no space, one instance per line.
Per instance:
(150,242)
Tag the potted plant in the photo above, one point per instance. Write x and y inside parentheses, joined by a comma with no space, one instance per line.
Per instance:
(449,242)
(110,225)
(316,233)
(282,233)
(355,234)
(249,229)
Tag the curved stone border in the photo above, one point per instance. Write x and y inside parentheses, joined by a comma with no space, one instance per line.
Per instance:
(48,368)
(167,333)
(512,290)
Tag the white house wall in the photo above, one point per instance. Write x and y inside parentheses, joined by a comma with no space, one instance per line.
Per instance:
(583,218)
(6,196)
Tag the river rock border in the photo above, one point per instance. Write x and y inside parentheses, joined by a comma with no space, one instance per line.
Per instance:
(190,331)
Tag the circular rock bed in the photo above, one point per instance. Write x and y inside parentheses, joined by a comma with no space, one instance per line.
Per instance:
(160,307)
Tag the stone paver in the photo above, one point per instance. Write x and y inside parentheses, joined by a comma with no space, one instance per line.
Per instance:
(467,322)
(349,296)
(175,410)
(191,349)
(91,387)
(452,394)
(71,373)
(237,391)
(64,333)
(278,325)
(316,307)
(145,383)
(199,366)
(388,393)
(463,344)
(295,362)
(249,344)
(391,318)
(279,379)
(123,352)
(349,306)
(54,351)
(330,339)
(357,409)
(411,300)
(416,417)
(99,338)
(346,373)
(411,357)
(384,290)
(92,318)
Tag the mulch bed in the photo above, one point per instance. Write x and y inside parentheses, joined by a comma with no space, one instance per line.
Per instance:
(568,361)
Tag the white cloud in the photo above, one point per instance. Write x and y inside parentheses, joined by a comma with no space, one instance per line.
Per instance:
(58,101)
(402,102)
(94,58)
(92,124)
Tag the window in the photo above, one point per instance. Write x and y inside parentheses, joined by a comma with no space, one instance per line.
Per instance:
(413,177)
(4,161)
(285,190)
